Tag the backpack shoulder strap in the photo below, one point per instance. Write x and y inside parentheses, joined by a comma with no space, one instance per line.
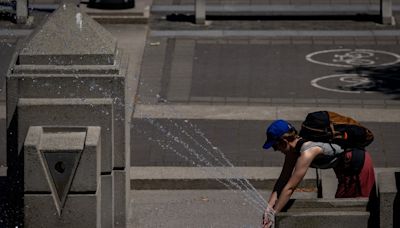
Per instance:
(299,144)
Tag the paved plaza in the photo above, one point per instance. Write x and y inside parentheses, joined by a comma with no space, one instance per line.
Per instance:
(203,94)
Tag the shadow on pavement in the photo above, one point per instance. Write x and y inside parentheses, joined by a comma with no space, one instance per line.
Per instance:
(357,17)
(384,80)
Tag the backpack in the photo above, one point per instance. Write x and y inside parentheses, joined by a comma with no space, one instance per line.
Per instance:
(331,127)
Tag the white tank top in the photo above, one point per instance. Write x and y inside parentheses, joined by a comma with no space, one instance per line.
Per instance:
(328,158)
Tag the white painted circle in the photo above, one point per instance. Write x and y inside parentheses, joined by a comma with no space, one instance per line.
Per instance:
(354,57)
(350,79)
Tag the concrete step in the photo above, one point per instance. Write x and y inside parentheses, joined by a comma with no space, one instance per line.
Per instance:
(146,178)
(324,219)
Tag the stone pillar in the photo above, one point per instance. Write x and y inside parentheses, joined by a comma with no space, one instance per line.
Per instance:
(70,73)
(389,200)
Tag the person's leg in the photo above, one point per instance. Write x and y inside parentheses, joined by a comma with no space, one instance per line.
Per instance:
(346,187)
(351,186)
(367,176)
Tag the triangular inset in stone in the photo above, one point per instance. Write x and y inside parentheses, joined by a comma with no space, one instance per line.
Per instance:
(61,167)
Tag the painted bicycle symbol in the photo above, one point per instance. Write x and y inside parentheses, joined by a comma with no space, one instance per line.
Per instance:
(344,83)
(353,57)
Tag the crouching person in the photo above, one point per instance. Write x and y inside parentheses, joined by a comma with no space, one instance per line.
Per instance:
(354,168)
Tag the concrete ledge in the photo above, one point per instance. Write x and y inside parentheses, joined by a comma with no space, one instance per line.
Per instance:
(343,219)
(144,178)
(326,205)
(389,186)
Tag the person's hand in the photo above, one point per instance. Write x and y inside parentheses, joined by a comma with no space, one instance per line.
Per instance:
(268,217)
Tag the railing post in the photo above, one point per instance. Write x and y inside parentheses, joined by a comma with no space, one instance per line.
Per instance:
(386,12)
(200,11)
(22,11)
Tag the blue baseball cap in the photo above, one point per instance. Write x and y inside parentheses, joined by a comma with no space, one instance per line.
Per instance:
(275,132)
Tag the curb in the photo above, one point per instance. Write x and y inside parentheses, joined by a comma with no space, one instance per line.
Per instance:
(198,178)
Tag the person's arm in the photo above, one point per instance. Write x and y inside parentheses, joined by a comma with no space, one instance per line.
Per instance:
(300,170)
(287,169)
(288,166)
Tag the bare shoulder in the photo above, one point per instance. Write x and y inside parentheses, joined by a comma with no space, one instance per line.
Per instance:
(311,149)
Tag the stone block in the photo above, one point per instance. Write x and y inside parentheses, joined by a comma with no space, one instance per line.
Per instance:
(389,200)
(57,112)
(322,219)
(349,212)
(318,205)
(62,177)
(80,211)
(71,74)
(84,89)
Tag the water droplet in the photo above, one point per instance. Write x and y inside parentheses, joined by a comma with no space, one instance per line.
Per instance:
(79,20)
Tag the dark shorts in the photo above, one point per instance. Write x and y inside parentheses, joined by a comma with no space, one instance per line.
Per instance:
(355,185)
